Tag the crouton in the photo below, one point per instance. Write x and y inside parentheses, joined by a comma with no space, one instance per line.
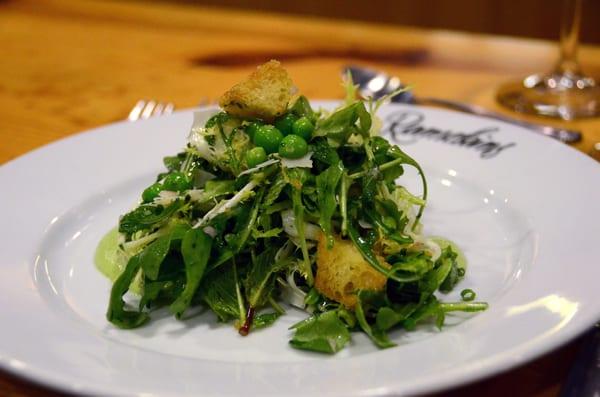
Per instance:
(341,271)
(265,94)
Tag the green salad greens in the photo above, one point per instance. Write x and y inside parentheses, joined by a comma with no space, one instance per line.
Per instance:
(306,211)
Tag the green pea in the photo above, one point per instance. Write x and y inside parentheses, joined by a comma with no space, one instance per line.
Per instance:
(303,127)
(252,128)
(285,124)
(176,182)
(268,137)
(151,192)
(255,156)
(293,147)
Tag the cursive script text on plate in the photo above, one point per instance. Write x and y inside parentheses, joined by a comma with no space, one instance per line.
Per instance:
(411,123)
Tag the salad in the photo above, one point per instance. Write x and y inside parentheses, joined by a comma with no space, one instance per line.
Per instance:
(273,206)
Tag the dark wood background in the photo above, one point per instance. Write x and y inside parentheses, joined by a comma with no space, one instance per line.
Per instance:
(525,18)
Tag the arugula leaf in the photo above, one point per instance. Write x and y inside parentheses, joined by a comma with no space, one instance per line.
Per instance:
(177,233)
(324,333)
(152,290)
(327,183)
(215,188)
(302,108)
(324,153)
(434,278)
(232,161)
(195,248)
(455,274)
(366,302)
(297,177)
(431,307)
(264,320)
(389,208)
(366,251)
(157,245)
(153,255)
(271,233)
(147,216)
(274,191)
(165,290)
(218,291)
(410,266)
(400,293)
(245,225)
(341,124)
(257,284)
(404,158)
(427,309)
(388,317)
(116,313)
(393,226)
(173,163)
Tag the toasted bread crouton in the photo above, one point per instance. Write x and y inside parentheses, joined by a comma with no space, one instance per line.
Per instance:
(264,95)
(341,271)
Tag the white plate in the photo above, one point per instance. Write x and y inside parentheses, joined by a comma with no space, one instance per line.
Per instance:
(523,207)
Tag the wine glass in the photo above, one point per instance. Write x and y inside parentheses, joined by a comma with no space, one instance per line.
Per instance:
(565,92)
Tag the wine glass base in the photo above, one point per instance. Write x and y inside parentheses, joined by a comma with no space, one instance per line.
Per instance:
(566,96)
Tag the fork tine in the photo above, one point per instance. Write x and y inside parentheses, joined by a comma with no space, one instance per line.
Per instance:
(169,107)
(159,109)
(147,112)
(145,109)
(136,112)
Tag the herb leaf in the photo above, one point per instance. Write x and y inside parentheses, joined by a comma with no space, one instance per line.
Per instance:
(341,124)
(195,249)
(146,216)
(257,282)
(387,317)
(324,333)
(153,255)
(454,275)
(327,183)
(274,191)
(301,108)
(218,291)
(116,313)
(367,301)
(264,320)
(297,178)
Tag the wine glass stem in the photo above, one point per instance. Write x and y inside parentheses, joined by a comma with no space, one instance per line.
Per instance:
(569,37)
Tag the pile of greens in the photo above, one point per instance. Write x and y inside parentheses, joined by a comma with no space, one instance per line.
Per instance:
(232,225)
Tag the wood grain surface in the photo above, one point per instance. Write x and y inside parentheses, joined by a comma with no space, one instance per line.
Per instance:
(70,66)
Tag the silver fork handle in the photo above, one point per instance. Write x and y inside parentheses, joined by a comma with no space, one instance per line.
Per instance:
(562,134)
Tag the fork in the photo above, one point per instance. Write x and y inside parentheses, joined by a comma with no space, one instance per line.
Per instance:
(144,109)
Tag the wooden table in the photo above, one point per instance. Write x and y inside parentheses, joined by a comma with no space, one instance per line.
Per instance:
(69,66)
